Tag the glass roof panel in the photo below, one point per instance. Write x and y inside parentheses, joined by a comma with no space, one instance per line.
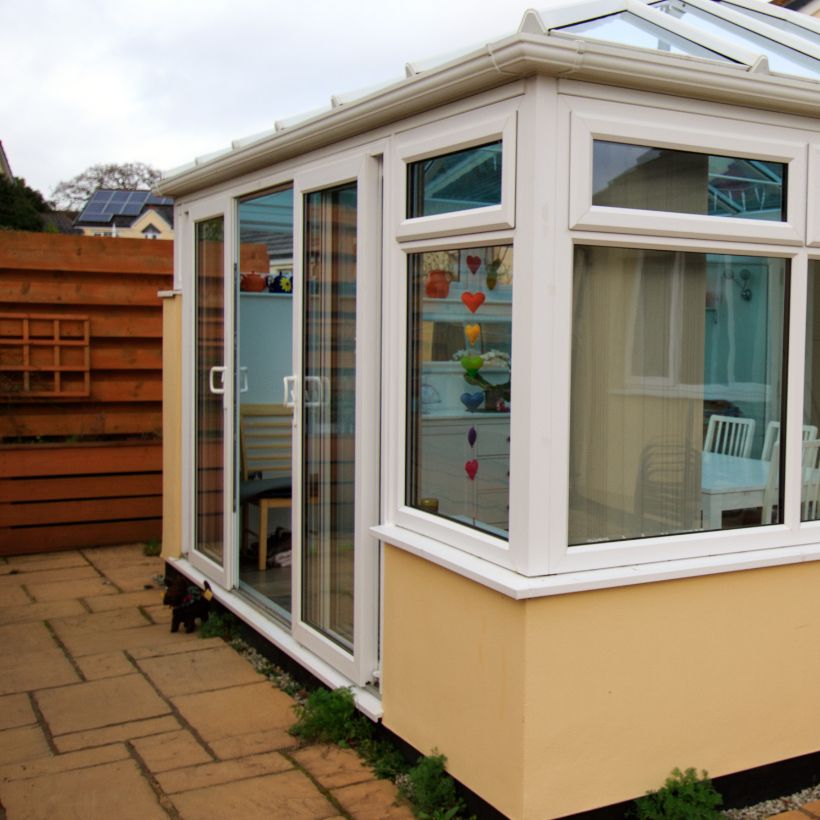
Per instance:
(777,22)
(781,58)
(628,29)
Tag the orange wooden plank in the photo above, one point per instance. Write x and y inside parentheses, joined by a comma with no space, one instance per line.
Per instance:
(44,289)
(27,514)
(27,540)
(129,354)
(80,420)
(49,488)
(85,253)
(90,459)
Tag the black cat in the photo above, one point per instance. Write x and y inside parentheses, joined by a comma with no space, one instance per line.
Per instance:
(189,602)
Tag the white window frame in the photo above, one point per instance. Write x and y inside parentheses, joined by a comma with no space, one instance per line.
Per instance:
(458,133)
(813,206)
(638,125)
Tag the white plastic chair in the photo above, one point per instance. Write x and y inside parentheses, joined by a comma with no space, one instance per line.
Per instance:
(730,436)
(772,437)
(810,491)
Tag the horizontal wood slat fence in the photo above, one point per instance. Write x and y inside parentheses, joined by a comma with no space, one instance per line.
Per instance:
(80,390)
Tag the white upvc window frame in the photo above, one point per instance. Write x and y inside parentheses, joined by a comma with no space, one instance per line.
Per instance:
(458,133)
(591,120)
(813,205)
(587,119)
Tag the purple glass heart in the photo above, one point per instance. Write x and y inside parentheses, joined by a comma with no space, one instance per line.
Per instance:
(472,436)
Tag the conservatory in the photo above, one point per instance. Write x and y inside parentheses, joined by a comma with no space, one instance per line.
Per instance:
(497,396)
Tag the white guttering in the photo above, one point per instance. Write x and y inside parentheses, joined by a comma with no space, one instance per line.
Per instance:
(516,57)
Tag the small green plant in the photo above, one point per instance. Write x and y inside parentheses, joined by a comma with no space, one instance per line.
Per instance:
(684,796)
(431,790)
(330,716)
(152,547)
(219,625)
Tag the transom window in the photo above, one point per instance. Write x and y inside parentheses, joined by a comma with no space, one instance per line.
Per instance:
(662,179)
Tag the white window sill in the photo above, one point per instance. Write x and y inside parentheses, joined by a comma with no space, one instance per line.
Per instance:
(521,587)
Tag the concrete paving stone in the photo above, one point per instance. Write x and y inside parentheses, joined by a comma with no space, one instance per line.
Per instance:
(333,767)
(23,743)
(95,793)
(118,555)
(28,639)
(105,665)
(64,763)
(151,637)
(190,672)
(175,643)
(812,808)
(115,734)
(286,796)
(253,743)
(13,597)
(227,771)
(795,814)
(159,614)
(46,576)
(236,711)
(15,710)
(95,622)
(132,578)
(77,588)
(40,612)
(30,671)
(99,703)
(171,751)
(375,800)
(47,560)
(143,597)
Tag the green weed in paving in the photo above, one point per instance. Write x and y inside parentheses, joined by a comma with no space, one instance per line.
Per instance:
(153,546)
(684,796)
(327,716)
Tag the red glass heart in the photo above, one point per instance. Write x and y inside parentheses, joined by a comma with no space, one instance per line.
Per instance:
(473,263)
(473,301)
(472,468)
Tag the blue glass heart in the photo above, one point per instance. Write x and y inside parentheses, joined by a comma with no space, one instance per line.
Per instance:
(472,401)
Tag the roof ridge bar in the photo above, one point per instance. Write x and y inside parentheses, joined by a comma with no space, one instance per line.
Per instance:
(777,36)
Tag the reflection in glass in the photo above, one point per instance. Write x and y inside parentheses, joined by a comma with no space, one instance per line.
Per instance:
(459,181)
(663,179)
(209,425)
(264,325)
(329,412)
(677,369)
(458,413)
(810,496)
(628,29)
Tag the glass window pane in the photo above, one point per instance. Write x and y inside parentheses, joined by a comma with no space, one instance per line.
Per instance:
(210,362)
(628,29)
(329,412)
(662,179)
(677,368)
(458,415)
(459,181)
(810,495)
(263,461)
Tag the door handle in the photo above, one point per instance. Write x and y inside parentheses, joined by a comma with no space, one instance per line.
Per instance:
(315,399)
(290,391)
(218,391)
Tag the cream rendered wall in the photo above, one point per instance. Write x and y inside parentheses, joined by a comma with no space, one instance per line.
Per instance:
(171,424)
(136,228)
(556,705)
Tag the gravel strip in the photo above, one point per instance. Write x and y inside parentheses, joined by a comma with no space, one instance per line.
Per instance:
(777,806)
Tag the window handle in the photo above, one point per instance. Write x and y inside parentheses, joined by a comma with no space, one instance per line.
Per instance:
(243,379)
(289,399)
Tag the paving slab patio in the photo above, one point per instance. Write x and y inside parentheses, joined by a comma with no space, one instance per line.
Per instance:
(105,713)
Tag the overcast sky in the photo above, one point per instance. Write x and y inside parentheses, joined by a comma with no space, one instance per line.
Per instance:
(94,81)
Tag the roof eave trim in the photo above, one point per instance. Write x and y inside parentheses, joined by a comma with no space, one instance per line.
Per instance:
(514,58)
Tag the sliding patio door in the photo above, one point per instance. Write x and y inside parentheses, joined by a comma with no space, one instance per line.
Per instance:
(211,391)
(337,412)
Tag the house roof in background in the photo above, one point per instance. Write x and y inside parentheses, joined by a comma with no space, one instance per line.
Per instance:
(745,52)
(106,207)
(5,168)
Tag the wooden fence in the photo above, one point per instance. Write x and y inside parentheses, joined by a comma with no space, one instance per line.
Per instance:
(80,390)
